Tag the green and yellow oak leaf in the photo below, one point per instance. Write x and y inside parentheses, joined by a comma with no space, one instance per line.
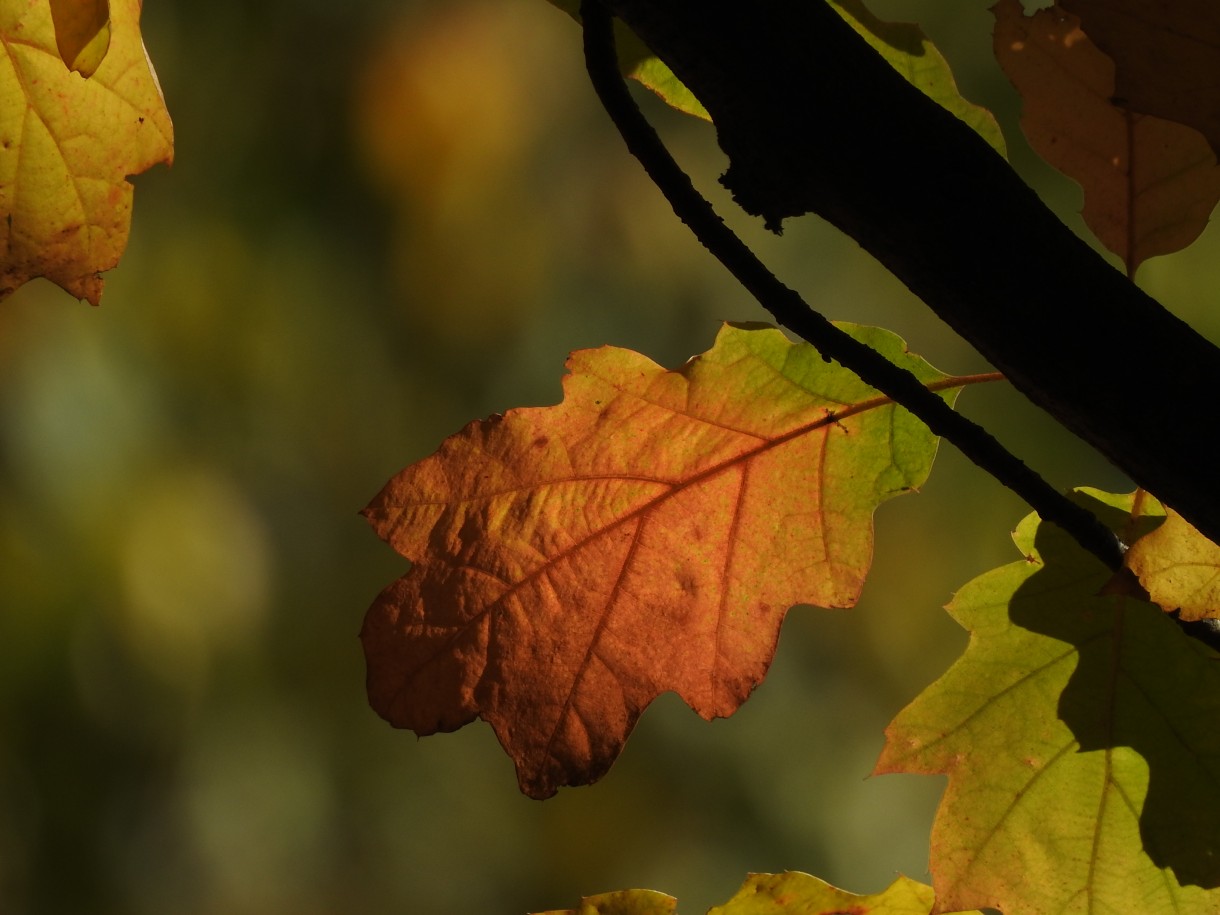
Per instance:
(1167,54)
(1149,184)
(1081,735)
(646,534)
(68,144)
(1179,568)
(789,893)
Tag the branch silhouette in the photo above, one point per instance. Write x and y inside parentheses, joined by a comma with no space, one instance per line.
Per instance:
(813,120)
(790,310)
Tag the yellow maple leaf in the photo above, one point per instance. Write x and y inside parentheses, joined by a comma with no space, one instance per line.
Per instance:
(67,146)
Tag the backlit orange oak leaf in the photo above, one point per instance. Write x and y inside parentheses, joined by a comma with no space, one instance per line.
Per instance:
(67,146)
(646,534)
(1167,53)
(1179,568)
(1149,184)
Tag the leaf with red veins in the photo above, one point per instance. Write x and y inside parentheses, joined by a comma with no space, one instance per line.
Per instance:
(646,534)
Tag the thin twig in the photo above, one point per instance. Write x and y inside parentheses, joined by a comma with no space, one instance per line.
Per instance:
(791,311)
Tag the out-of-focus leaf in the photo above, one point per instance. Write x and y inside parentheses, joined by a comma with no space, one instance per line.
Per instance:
(794,893)
(1167,54)
(789,893)
(623,902)
(82,33)
(1149,184)
(67,145)
(908,50)
(1179,568)
(1081,736)
(647,534)
(447,117)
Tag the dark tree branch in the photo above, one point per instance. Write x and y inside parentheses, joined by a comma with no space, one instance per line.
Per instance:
(790,310)
(814,121)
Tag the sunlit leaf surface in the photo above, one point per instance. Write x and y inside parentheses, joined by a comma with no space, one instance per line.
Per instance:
(647,534)
(67,146)
(639,63)
(1081,737)
(1179,567)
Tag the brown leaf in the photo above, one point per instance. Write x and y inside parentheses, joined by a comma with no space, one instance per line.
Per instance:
(1167,53)
(1149,184)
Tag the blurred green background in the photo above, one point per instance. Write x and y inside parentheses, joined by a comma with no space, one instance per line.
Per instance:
(387,219)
